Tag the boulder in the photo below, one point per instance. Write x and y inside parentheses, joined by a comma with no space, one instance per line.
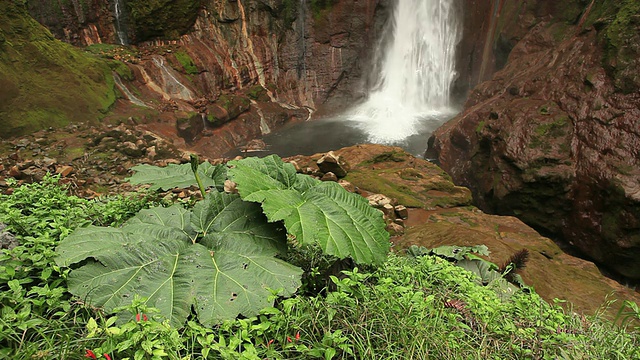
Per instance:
(7,240)
(329,177)
(332,163)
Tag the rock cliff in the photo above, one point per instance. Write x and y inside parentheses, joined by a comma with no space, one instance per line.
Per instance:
(223,72)
(554,137)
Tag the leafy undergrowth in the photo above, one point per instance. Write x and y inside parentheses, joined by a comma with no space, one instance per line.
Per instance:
(404,308)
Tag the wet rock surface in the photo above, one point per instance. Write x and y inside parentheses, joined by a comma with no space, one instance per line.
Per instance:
(423,207)
(554,138)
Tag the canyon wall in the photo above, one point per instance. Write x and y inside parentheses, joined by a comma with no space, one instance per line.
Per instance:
(212,66)
(554,137)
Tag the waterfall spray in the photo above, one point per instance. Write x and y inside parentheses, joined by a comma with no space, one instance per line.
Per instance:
(416,73)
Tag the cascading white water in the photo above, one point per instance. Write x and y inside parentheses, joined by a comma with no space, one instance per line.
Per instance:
(416,73)
(120,26)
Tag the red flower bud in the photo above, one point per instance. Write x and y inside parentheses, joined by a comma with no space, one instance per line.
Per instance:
(90,354)
(107,356)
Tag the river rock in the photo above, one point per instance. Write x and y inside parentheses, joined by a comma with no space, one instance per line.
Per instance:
(348,186)
(395,229)
(329,176)
(7,240)
(15,172)
(401,211)
(332,163)
(64,170)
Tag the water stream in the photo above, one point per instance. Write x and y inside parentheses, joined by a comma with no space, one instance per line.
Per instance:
(127,93)
(120,22)
(416,74)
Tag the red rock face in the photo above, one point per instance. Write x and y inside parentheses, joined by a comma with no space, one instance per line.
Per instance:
(77,22)
(555,140)
(301,56)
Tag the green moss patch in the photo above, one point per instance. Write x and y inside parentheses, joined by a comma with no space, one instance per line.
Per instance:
(187,62)
(50,83)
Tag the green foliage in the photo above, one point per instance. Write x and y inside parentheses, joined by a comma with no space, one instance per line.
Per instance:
(315,212)
(46,82)
(424,308)
(408,308)
(218,258)
(629,313)
(486,272)
(140,337)
(180,176)
(187,62)
(37,312)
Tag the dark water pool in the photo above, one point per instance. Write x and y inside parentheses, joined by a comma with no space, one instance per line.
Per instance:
(332,133)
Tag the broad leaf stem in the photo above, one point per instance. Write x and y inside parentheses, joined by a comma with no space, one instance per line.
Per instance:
(194,167)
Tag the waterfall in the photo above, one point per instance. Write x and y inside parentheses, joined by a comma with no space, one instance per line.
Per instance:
(128,94)
(120,24)
(416,73)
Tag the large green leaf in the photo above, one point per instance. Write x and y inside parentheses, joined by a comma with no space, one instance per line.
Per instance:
(486,275)
(218,258)
(180,176)
(342,223)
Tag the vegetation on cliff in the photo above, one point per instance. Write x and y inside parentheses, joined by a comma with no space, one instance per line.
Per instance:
(46,82)
(162,18)
(619,25)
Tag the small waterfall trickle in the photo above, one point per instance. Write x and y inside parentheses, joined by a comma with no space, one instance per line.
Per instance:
(120,22)
(127,93)
(416,73)
(172,87)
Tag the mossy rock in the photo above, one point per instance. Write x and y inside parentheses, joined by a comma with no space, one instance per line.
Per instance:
(258,93)
(394,172)
(162,18)
(186,62)
(619,30)
(552,273)
(227,108)
(45,82)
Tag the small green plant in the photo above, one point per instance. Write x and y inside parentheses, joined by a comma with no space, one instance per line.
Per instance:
(220,257)
(38,317)
(501,278)
(629,313)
